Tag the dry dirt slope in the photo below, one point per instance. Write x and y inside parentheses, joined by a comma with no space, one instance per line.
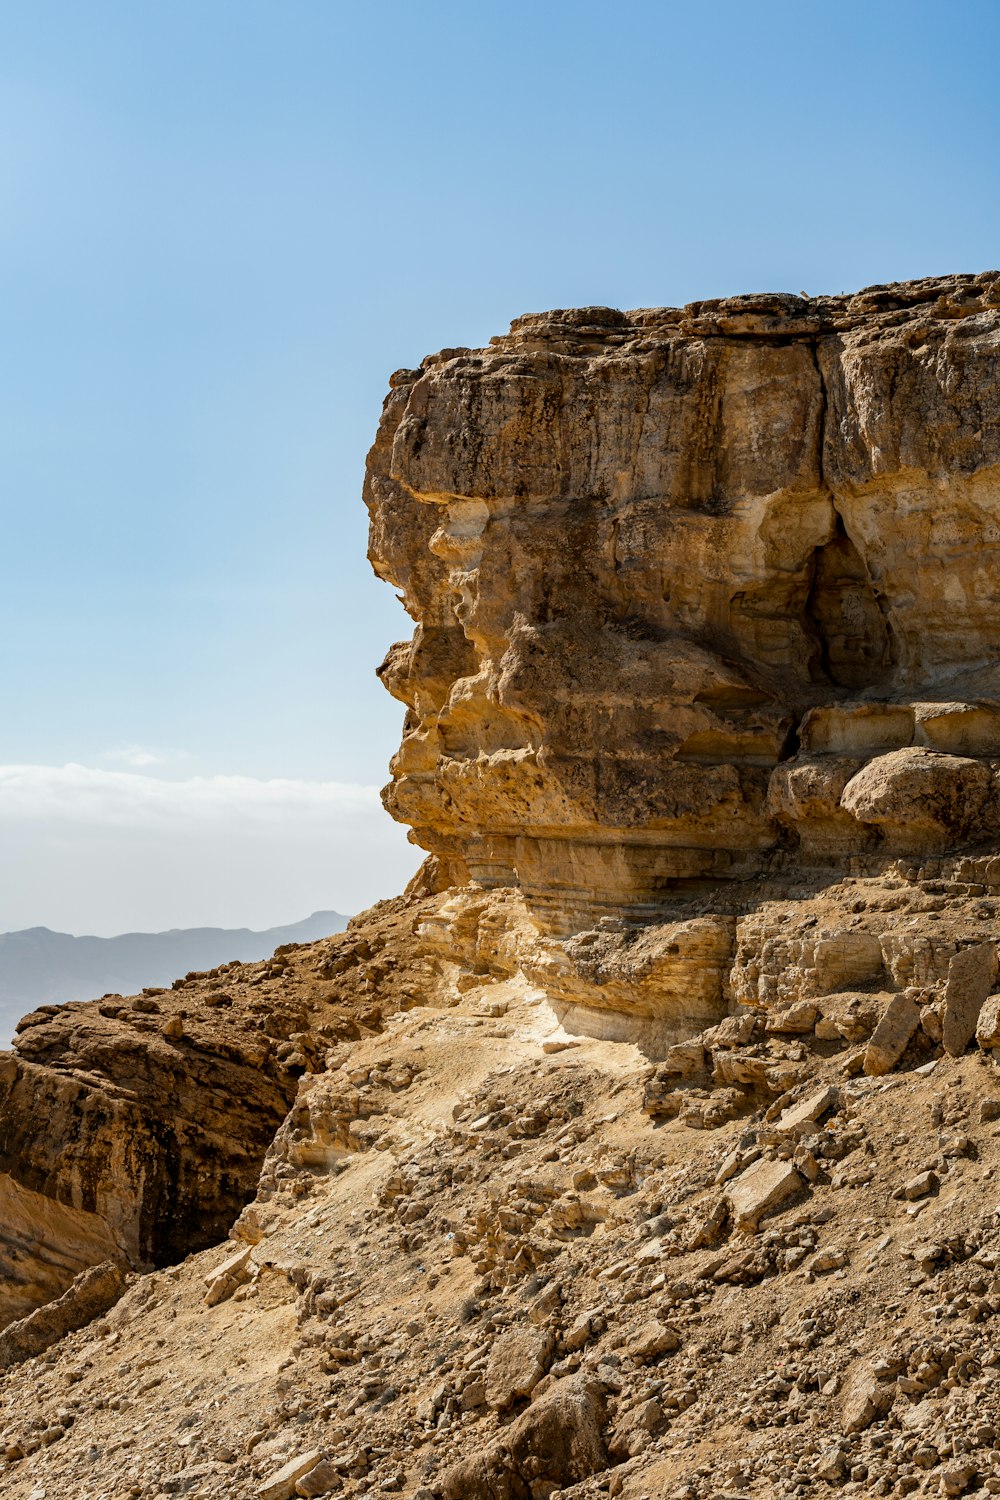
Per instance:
(489,1260)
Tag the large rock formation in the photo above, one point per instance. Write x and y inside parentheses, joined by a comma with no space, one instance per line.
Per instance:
(699,593)
(703,741)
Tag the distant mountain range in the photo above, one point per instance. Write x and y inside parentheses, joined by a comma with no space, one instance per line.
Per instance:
(41,967)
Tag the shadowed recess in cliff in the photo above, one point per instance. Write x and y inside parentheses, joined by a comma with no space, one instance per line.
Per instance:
(855,645)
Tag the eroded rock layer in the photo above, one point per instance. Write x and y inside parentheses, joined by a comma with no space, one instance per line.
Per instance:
(699,593)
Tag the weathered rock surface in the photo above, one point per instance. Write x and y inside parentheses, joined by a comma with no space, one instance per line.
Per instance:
(697,588)
(92,1293)
(134,1129)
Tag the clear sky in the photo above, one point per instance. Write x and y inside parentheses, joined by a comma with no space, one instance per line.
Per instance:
(223,223)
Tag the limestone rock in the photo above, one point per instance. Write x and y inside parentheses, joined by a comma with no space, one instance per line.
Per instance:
(891,1035)
(865,1399)
(92,1293)
(921,799)
(804,1115)
(556,1442)
(719,538)
(653,1340)
(760,1190)
(988,1023)
(281,1484)
(517,1362)
(970,979)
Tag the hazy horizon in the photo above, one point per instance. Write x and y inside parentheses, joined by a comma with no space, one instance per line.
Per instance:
(224,228)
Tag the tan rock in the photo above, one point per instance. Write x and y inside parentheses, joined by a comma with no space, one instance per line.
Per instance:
(705,566)
(322,1480)
(798,1118)
(517,1362)
(281,1484)
(923,800)
(760,1191)
(988,1023)
(652,1341)
(970,978)
(891,1035)
(865,1400)
(556,1442)
(92,1293)
(795,1021)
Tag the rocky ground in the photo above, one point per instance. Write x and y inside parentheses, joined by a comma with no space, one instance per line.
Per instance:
(487,1258)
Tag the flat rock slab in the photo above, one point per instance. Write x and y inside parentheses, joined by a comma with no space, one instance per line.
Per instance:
(281,1485)
(891,1035)
(799,1117)
(760,1190)
(971,974)
(517,1362)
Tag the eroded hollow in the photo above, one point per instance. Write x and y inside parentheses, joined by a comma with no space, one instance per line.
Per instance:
(844,615)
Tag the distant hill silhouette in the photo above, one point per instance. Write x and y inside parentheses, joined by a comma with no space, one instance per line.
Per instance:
(40,967)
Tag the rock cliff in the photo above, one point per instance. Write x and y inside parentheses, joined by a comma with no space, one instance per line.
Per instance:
(699,593)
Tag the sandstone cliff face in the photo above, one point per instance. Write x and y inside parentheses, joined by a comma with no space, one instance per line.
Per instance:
(699,593)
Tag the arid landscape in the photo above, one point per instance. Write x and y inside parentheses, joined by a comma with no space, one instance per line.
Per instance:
(649,1144)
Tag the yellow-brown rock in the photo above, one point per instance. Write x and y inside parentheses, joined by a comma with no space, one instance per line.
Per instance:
(699,593)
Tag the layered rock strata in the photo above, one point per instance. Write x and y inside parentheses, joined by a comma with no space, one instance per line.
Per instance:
(133,1129)
(699,593)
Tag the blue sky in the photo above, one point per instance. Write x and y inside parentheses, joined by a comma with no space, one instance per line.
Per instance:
(224,223)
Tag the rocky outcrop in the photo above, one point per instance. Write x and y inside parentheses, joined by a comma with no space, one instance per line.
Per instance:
(133,1129)
(699,593)
(92,1293)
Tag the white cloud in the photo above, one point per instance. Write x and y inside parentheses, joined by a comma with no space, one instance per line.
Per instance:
(99,850)
(136,756)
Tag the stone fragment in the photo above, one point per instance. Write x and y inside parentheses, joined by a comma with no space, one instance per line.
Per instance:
(473,1395)
(516,1364)
(227,1278)
(891,1036)
(970,978)
(555,1443)
(281,1484)
(796,1020)
(760,1190)
(322,1480)
(684,1060)
(920,1186)
(797,1119)
(92,1293)
(865,1400)
(733,1031)
(920,799)
(709,1224)
(579,1334)
(826,1260)
(988,1024)
(653,1340)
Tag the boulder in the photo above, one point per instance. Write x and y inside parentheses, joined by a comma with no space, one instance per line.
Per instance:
(760,1191)
(557,1442)
(892,1034)
(517,1362)
(970,978)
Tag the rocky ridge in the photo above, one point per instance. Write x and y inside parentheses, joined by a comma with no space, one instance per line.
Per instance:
(649,1144)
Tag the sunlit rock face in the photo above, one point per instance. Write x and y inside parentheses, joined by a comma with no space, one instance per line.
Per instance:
(699,593)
